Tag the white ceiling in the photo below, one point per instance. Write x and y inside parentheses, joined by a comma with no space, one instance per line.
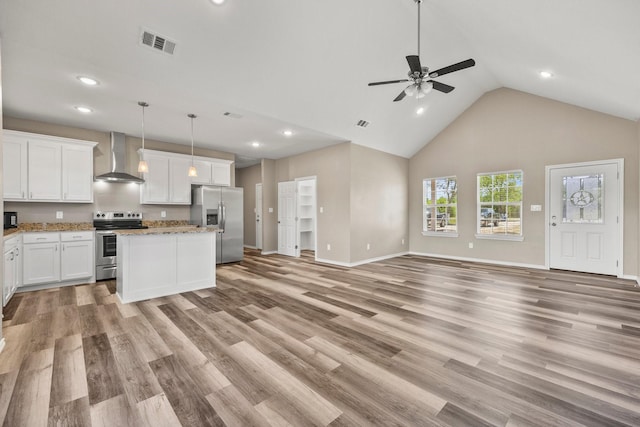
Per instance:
(305,64)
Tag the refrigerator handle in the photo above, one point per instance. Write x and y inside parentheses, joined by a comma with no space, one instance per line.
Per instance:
(224,216)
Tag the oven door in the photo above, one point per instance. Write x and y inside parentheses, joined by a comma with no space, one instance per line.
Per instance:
(105,248)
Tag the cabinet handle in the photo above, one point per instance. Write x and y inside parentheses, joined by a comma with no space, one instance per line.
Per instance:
(41,238)
(31,195)
(23,194)
(63,246)
(11,257)
(17,251)
(56,246)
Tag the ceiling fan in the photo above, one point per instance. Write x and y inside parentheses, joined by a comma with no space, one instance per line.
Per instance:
(421,77)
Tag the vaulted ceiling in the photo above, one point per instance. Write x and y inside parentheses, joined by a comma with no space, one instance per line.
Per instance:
(304,65)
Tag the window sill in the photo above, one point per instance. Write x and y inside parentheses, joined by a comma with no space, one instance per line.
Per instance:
(439,234)
(500,237)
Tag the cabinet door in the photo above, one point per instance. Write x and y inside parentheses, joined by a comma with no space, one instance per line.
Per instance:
(204,172)
(9,285)
(77,174)
(44,171)
(14,162)
(179,181)
(156,182)
(221,174)
(41,263)
(76,260)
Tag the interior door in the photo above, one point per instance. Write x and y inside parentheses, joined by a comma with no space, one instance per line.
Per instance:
(259,216)
(584,231)
(287,218)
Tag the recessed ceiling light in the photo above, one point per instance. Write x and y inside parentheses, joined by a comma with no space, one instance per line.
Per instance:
(218,2)
(420,111)
(546,74)
(85,110)
(88,80)
(287,132)
(255,144)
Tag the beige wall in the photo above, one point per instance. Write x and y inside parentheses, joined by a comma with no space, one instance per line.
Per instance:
(331,168)
(379,203)
(107,196)
(269,202)
(506,129)
(247,178)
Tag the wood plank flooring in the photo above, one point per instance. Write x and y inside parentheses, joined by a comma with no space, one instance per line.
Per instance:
(409,341)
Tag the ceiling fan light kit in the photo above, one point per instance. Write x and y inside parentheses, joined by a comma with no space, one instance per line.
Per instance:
(421,78)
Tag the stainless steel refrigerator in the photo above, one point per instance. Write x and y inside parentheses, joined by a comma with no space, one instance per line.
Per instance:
(221,207)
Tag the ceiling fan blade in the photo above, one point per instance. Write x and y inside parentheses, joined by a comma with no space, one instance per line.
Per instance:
(414,63)
(400,97)
(387,82)
(451,68)
(441,86)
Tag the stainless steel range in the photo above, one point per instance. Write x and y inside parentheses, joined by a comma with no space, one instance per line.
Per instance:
(105,224)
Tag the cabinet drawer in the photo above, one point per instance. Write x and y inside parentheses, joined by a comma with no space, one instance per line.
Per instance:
(44,237)
(74,236)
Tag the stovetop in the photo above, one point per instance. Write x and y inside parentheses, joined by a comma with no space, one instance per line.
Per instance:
(121,220)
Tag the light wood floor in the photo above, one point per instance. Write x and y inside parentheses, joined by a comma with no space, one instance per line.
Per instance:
(409,341)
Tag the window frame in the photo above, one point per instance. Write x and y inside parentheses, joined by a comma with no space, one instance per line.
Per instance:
(435,205)
(506,204)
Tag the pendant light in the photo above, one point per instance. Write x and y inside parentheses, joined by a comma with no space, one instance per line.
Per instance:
(192,170)
(142,165)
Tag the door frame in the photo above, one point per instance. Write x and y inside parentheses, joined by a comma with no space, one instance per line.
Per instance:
(547,196)
(258,212)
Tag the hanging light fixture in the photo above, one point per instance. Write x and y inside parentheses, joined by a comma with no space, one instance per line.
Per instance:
(142,165)
(192,170)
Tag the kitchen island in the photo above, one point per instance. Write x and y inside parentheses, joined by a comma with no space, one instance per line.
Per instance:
(156,262)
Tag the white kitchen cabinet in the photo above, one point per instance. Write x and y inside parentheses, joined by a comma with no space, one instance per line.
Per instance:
(203,168)
(77,255)
(41,261)
(212,171)
(221,173)
(167,182)
(14,163)
(77,173)
(12,267)
(42,168)
(44,171)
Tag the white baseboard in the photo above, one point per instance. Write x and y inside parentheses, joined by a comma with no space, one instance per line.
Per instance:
(364,261)
(630,277)
(2,343)
(480,260)
(250,247)
(268,252)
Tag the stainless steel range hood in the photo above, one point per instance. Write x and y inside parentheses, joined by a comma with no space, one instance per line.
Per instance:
(118,162)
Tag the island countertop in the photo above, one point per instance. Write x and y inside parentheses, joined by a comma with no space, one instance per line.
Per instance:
(168,230)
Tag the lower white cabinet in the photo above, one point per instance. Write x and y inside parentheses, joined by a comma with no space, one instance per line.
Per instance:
(12,267)
(51,257)
(41,262)
(77,255)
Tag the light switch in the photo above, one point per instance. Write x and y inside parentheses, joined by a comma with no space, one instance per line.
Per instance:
(270,210)
(59,215)
(321,209)
(163,214)
(536,208)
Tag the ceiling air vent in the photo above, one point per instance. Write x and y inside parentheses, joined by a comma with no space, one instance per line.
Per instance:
(157,42)
(362,123)
(232,115)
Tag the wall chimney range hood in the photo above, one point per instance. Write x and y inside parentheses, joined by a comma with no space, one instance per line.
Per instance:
(118,162)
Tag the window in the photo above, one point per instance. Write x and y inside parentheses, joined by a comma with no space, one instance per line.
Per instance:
(439,206)
(500,204)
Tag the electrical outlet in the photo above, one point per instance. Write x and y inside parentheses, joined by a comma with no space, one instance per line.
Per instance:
(402,242)
(328,246)
(59,215)
(163,214)
(270,210)
(368,246)
(470,245)
(321,209)
(536,208)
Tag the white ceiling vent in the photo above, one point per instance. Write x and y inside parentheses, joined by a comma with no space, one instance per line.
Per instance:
(232,115)
(156,42)
(362,123)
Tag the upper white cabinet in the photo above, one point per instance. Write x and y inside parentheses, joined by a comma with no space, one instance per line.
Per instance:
(41,168)
(168,182)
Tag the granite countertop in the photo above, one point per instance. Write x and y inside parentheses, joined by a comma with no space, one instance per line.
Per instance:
(35,227)
(167,230)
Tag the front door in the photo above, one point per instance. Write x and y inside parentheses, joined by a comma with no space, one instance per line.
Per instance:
(287,218)
(584,217)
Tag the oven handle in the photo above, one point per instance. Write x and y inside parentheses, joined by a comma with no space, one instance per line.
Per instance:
(108,268)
